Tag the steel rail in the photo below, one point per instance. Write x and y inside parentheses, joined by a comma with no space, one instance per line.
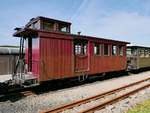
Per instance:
(86,100)
(114,100)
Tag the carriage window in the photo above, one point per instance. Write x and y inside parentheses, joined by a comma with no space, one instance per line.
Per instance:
(80,49)
(142,53)
(37,25)
(85,49)
(128,51)
(134,52)
(114,50)
(97,49)
(106,49)
(146,53)
(48,26)
(77,49)
(121,51)
(63,28)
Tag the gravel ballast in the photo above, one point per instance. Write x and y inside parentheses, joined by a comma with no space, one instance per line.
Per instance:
(36,103)
(128,103)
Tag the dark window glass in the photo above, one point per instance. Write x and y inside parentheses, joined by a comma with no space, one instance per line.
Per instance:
(48,26)
(106,49)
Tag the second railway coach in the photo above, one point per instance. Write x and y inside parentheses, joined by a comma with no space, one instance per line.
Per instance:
(138,57)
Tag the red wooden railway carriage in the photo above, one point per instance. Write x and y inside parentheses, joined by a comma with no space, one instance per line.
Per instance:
(52,52)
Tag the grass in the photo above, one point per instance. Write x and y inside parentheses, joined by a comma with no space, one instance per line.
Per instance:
(141,108)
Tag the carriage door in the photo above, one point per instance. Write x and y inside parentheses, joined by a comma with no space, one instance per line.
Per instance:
(32,56)
(28,55)
(81,55)
(35,56)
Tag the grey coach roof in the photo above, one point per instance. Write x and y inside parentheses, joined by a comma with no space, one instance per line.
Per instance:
(9,51)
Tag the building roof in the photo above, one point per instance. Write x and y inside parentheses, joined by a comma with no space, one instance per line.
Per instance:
(10,46)
(9,51)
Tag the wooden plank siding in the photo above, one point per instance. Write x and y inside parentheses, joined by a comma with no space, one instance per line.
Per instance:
(58,61)
(56,58)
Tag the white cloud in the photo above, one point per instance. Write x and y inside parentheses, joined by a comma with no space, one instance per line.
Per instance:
(126,24)
(101,18)
(94,19)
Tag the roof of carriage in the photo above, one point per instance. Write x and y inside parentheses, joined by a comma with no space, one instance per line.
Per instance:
(32,33)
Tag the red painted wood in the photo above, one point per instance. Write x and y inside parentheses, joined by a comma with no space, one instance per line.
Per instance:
(55,59)
(35,57)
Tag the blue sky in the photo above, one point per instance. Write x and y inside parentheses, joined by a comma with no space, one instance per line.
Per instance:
(127,20)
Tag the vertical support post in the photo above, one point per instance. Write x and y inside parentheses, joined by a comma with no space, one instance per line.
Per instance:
(19,63)
(30,54)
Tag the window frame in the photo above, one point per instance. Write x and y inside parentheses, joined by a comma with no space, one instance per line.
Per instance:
(82,47)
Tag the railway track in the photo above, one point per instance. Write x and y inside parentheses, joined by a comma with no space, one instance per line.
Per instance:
(16,94)
(100,101)
(24,93)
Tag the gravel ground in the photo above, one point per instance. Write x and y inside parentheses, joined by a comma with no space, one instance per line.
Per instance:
(36,103)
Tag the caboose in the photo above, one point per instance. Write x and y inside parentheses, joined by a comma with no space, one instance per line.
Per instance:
(52,52)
